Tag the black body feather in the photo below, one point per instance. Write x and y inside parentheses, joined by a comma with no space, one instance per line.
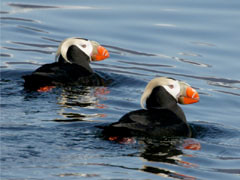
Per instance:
(162,118)
(63,73)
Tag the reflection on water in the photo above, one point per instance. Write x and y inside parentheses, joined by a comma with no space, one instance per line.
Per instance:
(166,173)
(84,97)
(166,152)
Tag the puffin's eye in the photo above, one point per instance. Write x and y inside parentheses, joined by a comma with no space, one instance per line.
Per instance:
(84,45)
(171,86)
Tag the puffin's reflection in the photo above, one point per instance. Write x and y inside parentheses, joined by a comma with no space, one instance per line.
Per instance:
(168,152)
(72,99)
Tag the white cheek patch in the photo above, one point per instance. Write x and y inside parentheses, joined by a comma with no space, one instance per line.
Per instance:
(86,47)
(175,91)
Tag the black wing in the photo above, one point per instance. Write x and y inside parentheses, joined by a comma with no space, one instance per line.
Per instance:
(154,123)
(60,74)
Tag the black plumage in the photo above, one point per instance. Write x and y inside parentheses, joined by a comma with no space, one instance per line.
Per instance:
(63,73)
(162,118)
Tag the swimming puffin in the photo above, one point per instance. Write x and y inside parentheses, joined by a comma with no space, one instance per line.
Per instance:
(162,117)
(72,66)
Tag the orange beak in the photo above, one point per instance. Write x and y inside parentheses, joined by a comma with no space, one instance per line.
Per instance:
(190,96)
(101,54)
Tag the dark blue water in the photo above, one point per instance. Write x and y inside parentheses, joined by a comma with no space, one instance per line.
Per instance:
(53,135)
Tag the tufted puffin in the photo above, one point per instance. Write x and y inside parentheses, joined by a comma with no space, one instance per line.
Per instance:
(72,66)
(162,117)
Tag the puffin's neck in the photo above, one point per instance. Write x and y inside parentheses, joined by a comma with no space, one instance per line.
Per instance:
(161,99)
(76,56)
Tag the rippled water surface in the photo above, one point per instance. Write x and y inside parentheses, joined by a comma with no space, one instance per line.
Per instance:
(53,135)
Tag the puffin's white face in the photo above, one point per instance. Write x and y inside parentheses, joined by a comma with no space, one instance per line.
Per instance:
(85,45)
(173,87)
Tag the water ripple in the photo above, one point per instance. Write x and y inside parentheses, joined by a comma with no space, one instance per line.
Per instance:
(208,78)
(191,62)
(166,25)
(29,50)
(85,175)
(227,92)
(51,39)
(4,12)
(146,64)
(189,54)
(36,6)
(31,6)
(129,51)
(121,51)
(29,62)
(33,44)
(33,29)
(166,173)
(204,44)
(6,55)
(230,171)
(19,19)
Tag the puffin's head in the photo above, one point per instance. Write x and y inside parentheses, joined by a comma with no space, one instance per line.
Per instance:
(181,91)
(91,49)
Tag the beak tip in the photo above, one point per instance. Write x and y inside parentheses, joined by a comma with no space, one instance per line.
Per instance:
(106,54)
(191,97)
(197,97)
(102,54)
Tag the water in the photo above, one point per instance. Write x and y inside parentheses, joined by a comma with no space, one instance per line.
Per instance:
(53,135)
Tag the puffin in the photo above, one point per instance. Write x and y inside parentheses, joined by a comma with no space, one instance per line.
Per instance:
(72,66)
(160,116)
